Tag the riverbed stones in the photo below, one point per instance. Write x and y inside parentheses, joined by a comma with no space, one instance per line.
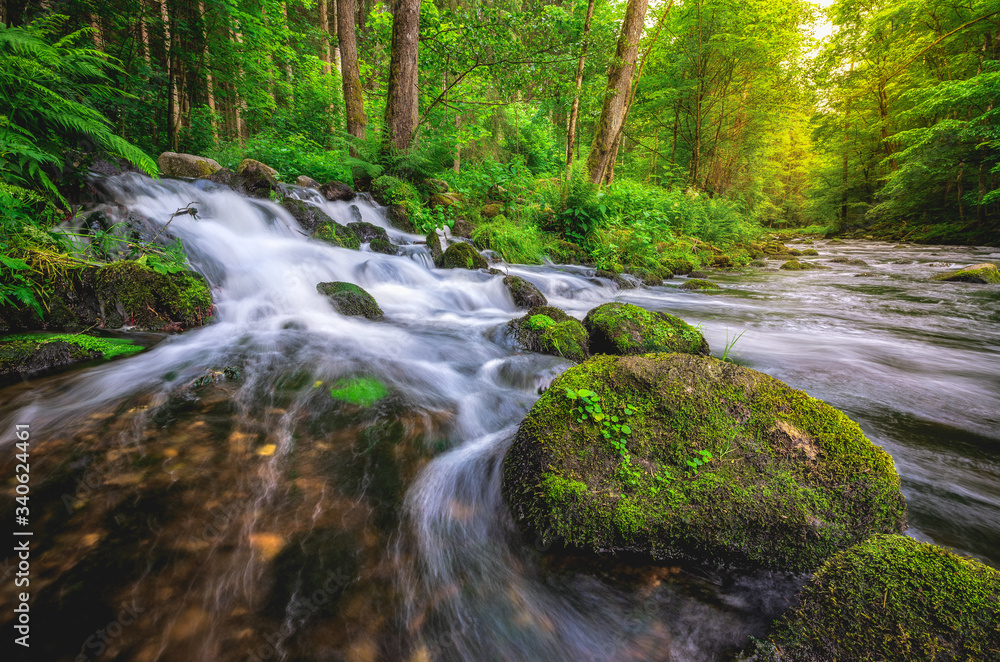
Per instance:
(707,460)
(175,164)
(351,300)
(548,330)
(894,599)
(377,238)
(699,284)
(623,329)
(461,255)
(525,294)
(984,273)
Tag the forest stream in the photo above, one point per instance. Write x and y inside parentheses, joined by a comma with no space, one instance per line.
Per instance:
(213,491)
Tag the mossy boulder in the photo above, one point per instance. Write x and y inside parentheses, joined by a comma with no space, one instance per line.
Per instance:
(548,330)
(399,218)
(443,200)
(758,263)
(679,266)
(892,599)
(461,255)
(434,245)
(491,210)
(985,273)
(707,460)
(338,235)
(810,252)
(174,164)
(622,329)
(796,265)
(310,217)
(722,261)
(134,295)
(259,180)
(335,191)
(349,299)
(388,190)
(854,262)
(698,284)
(25,356)
(525,294)
(377,238)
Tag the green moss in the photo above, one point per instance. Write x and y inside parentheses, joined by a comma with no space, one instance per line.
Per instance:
(894,599)
(810,251)
(622,328)
(790,480)
(549,330)
(362,391)
(986,273)
(380,245)
(151,300)
(525,294)
(349,299)
(32,353)
(389,190)
(461,255)
(698,284)
(338,235)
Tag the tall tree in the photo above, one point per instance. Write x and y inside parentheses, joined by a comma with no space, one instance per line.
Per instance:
(616,95)
(401,106)
(354,103)
(575,109)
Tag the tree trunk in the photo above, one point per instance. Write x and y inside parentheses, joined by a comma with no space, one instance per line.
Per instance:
(574,111)
(144,37)
(619,83)
(209,83)
(457,165)
(324,28)
(353,101)
(238,102)
(174,108)
(401,105)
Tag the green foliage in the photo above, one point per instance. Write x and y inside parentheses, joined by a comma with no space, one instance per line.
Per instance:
(108,348)
(361,391)
(517,242)
(730,344)
(50,86)
(290,154)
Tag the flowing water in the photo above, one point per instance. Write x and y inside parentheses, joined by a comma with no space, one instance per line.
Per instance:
(182,512)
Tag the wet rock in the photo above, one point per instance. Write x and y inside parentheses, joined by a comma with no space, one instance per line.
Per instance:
(462,228)
(338,235)
(622,329)
(699,284)
(985,273)
(795,265)
(133,295)
(892,598)
(376,236)
(697,274)
(335,191)
(399,218)
(355,213)
(548,330)
(810,251)
(174,164)
(259,180)
(26,356)
(226,177)
(434,245)
(310,217)
(619,280)
(795,252)
(349,299)
(707,460)
(524,293)
(758,263)
(306,182)
(679,266)
(461,255)
(722,261)
(380,245)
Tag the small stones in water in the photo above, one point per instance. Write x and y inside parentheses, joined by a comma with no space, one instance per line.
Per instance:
(983,274)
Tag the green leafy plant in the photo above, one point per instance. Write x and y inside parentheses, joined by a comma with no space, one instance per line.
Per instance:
(698,461)
(730,344)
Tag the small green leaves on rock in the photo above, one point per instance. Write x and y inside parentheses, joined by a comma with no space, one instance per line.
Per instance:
(349,299)
(338,235)
(548,330)
(361,391)
(622,328)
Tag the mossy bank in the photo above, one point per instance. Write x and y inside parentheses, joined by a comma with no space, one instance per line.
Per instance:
(701,459)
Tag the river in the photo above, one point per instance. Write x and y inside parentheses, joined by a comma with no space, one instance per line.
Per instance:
(255,517)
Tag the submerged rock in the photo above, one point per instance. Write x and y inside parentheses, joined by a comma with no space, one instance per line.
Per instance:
(24,356)
(524,293)
(622,328)
(349,299)
(461,255)
(693,457)
(894,599)
(310,217)
(698,284)
(548,330)
(985,273)
(338,235)
(174,164)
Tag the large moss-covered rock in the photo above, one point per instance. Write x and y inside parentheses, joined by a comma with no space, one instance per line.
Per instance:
(892,599)
(134,295)
(349,299)
(622,328)
(174,164)
(461,255)
(338,235)
(985,273)
(698,284)
(310,217)
(548,330)
(524,293)
(703,459)
(24,356)
(679,266)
